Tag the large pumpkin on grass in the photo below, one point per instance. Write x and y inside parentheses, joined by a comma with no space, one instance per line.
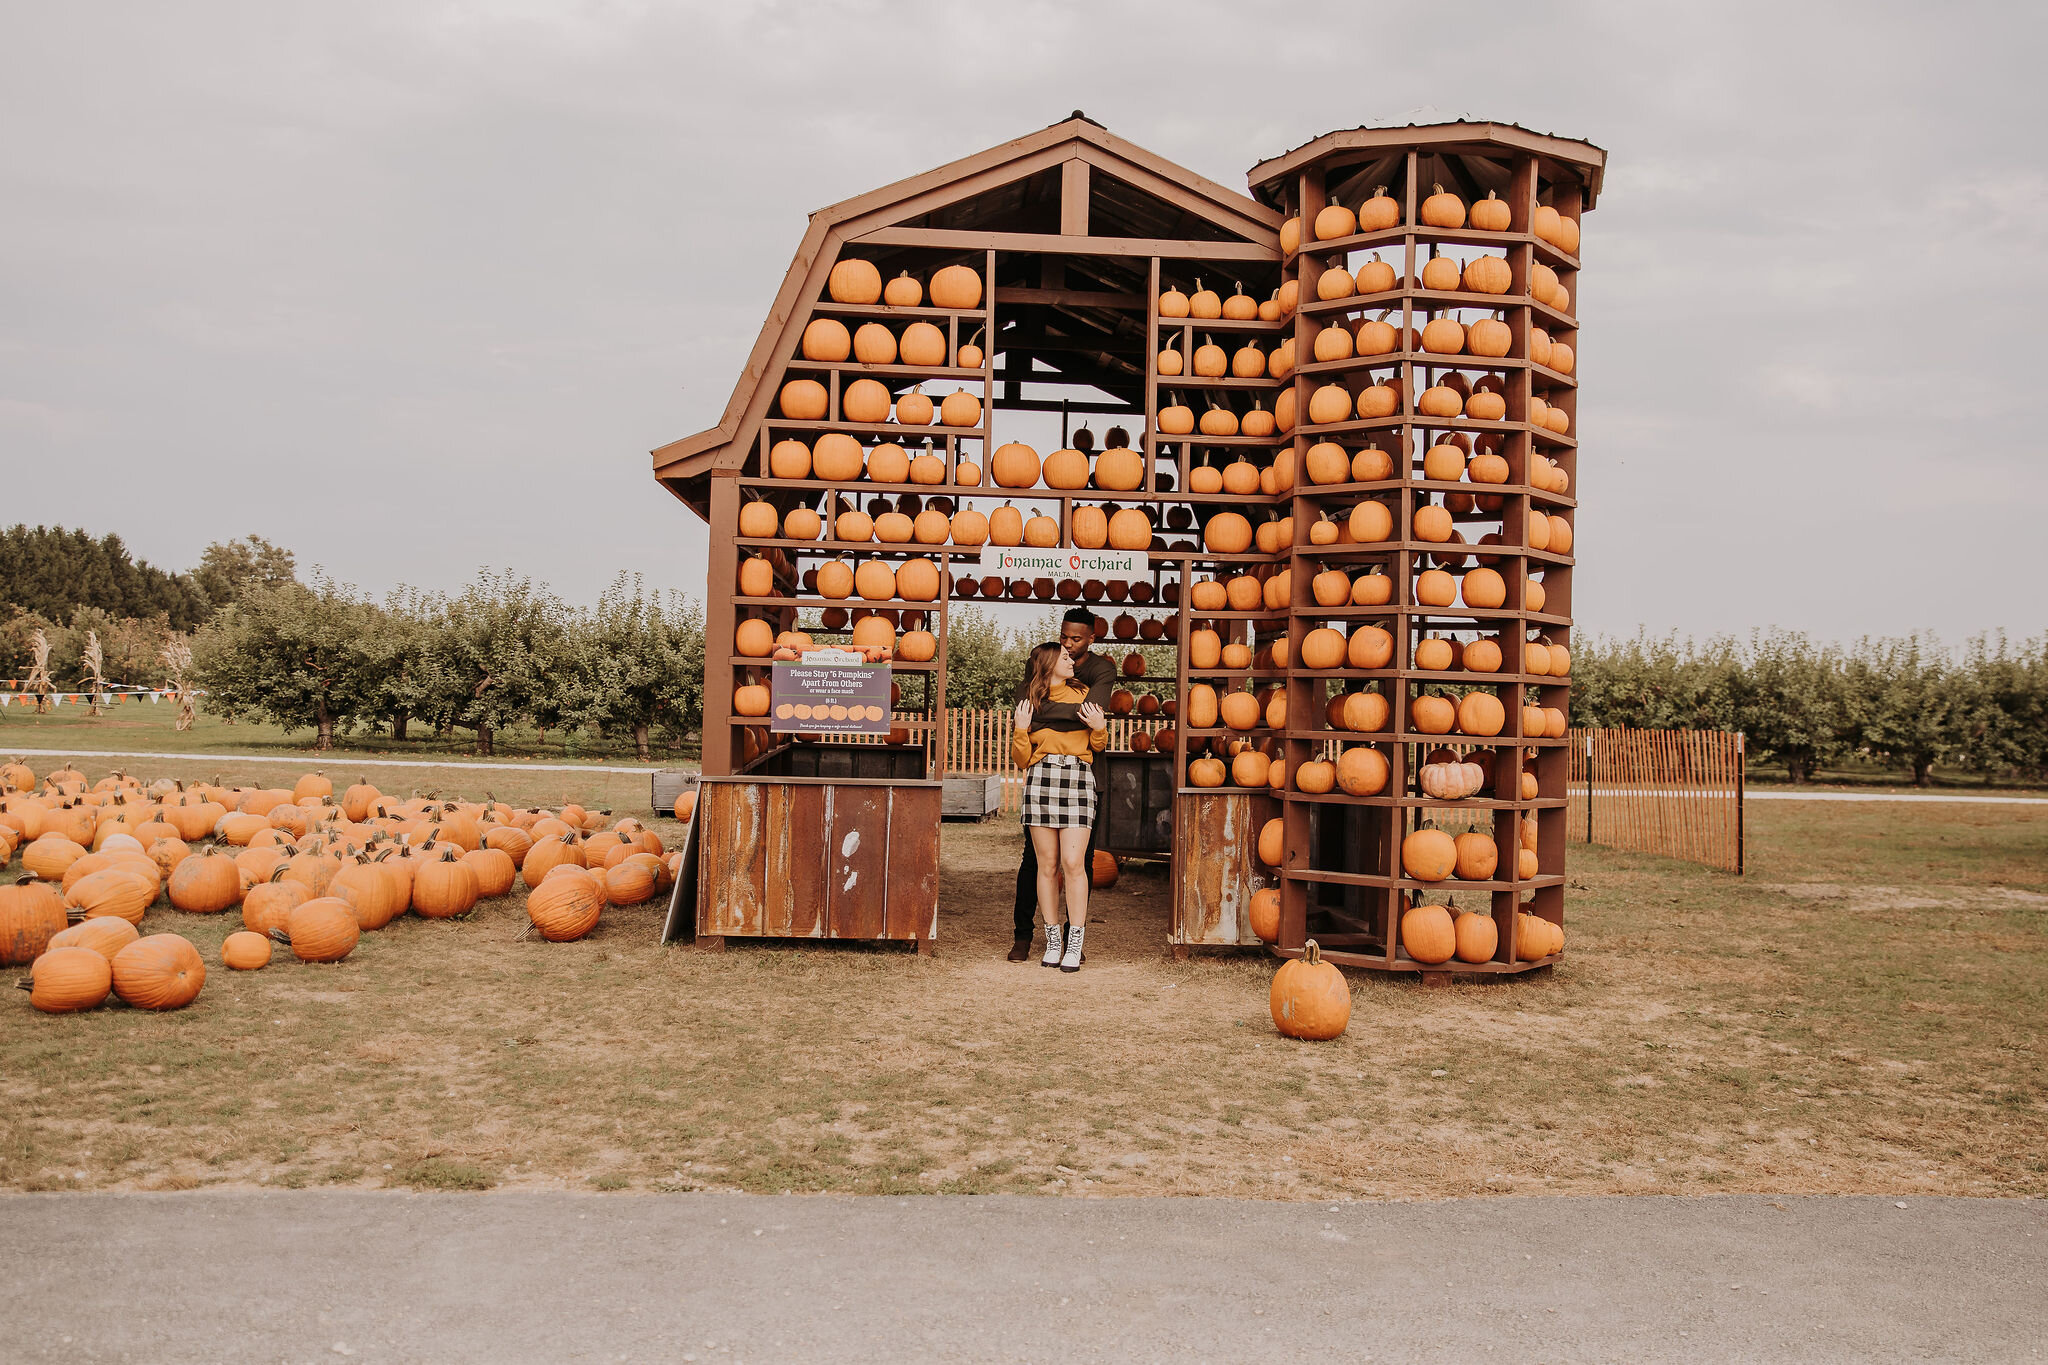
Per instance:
(65,980)
(566,907)
(323,929)
(31,914)
(494,869)
(161,972)
(107,935)
(119,891)
(51,855)
(244,951)
(1310,998)
(444,887)
(370,890)
(206,884)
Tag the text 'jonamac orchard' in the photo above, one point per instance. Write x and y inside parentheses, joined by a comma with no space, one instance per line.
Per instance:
(1058,564)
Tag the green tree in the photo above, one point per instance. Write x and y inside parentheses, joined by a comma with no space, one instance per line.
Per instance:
(296,655)
(406,672)
(638,662)
(1792,701)
(499,656)
(983,662)
(1910,704)
(229,568)
(50,571)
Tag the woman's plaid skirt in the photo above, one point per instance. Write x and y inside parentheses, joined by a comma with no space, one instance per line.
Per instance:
(1059,792)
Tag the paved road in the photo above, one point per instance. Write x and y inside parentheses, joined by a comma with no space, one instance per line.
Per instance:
(322,1276)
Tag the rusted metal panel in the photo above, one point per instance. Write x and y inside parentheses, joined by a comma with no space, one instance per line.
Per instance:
(857,860)
(1216,856)
(732,868)
(912,910)
(806,839)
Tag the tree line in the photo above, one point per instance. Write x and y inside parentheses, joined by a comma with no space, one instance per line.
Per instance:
(1909,702)
(502,652)
(51,573)
(505,652)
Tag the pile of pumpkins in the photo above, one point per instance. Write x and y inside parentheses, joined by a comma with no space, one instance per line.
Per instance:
(920,344)
(305,867)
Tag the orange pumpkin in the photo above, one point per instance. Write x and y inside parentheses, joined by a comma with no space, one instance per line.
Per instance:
(245,951)
(1428,934)
(1477,857)
(1429,855)
(1015,465)
(1362,771)
(65,980)
(31,914)
(1432,715)
(1310,998)
(1370,647)
(854,281)
(567,907)
(1263,915)
(1323,648)
(205,884)
(160,972)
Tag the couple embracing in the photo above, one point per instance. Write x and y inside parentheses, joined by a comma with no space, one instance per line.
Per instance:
(1060,725)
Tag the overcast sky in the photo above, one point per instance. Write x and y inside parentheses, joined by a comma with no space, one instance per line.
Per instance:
(414,287)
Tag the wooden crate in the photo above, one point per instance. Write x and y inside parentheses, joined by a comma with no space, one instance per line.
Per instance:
(973,797)
(1134,804)
(667,785)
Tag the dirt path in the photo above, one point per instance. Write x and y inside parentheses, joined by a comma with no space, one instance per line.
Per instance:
(331,1275)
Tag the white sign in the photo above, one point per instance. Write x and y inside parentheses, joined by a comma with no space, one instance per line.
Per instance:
(1031,561)
(841,657)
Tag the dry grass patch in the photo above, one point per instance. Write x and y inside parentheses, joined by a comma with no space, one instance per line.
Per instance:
(1862,1014)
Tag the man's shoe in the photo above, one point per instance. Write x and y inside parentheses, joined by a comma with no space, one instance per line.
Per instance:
(1020,951)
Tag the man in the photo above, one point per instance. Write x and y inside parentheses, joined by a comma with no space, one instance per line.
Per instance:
(1096,673)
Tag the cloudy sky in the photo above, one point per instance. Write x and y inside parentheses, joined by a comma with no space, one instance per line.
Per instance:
(414,287)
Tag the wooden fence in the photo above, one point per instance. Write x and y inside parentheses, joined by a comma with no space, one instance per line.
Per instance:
(1674,792)
(978,744)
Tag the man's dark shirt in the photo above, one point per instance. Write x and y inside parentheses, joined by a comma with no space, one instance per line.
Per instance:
(1093,671)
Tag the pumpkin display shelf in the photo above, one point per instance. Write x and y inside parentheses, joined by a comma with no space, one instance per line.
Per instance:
(1352,397)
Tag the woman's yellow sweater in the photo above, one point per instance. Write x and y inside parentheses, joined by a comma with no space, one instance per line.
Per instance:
(1027,749)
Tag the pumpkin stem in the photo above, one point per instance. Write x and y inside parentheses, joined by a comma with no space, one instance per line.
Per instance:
(1312,952)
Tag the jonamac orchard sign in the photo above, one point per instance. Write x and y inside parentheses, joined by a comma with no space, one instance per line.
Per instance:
(1028,561)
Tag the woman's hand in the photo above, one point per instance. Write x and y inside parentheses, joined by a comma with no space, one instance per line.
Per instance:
(1023,716)
(1091,716)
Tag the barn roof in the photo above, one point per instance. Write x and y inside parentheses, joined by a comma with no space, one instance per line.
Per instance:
(1009,198)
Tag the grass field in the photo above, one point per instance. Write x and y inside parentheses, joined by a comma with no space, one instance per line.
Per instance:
(1863,1013)
(153,729)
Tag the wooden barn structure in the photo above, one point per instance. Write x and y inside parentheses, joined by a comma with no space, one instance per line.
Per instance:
(1355,463)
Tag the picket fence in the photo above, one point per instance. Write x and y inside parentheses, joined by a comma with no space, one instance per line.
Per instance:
(1674,792)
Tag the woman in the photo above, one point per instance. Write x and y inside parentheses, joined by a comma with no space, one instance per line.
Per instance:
(1059,797)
